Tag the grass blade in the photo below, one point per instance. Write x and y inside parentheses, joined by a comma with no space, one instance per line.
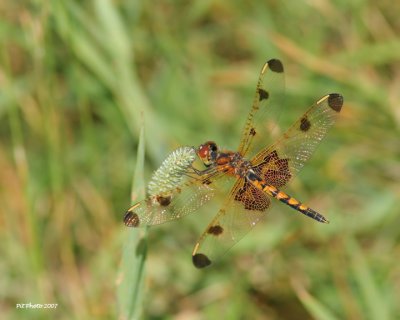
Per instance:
(370,292)
(313,306)
(131,275)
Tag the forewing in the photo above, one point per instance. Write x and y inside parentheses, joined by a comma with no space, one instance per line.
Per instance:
(245,207)
(282,160)
(178,202)
(267,104)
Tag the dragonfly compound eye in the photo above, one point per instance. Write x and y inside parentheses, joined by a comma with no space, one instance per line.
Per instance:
(208,152)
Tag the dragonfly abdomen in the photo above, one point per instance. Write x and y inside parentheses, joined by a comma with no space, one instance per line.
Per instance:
(285,198)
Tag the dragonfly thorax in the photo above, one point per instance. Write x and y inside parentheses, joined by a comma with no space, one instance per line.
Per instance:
(227,161)
(232,163)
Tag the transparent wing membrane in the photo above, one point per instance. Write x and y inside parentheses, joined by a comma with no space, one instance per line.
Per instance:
(299,142)
(176,190)
(232,222)
(262,121)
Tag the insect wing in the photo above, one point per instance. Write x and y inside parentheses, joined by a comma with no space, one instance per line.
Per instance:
(169,205)
(245,207)
(262,120)
(298,143)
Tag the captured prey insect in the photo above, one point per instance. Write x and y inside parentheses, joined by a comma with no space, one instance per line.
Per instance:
(253,177)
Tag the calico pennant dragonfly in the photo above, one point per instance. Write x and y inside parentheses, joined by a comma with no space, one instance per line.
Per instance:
(253,177)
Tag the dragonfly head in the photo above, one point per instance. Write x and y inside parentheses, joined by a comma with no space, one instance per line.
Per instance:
(208,152)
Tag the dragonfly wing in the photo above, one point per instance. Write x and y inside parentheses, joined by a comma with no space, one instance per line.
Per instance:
(267,104)
(245,207)
(283,160)
(178,202)
(169,205)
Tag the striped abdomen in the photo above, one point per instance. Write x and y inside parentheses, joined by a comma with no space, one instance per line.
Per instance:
(285,198)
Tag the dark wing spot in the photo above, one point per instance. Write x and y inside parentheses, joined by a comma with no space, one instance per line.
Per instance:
(131,219)
(305,124)
(252,198)
(253,132)
(275,65)
(215,230)
(200,260)
(272,156)
(274,170)
(163,201)
(263,94)
(335,101)
(207,181)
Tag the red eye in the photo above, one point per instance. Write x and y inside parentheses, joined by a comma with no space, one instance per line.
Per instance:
(203,151)
(207,151)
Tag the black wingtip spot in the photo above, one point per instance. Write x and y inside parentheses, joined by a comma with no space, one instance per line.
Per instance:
(131,219)
(335,101)
(201,260)
(275,65)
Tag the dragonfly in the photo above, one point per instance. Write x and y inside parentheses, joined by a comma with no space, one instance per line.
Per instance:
(247,179)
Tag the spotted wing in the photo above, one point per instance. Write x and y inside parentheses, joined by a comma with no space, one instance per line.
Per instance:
(178,202)
(267,104)
(245,207)
(282,160)
(176,189)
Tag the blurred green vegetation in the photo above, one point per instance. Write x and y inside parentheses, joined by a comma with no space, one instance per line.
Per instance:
(78,81)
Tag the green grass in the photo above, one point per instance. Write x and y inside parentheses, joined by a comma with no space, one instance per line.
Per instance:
(132,269)
(79,80)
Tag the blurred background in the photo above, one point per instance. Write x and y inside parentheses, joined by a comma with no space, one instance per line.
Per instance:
(80,79)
